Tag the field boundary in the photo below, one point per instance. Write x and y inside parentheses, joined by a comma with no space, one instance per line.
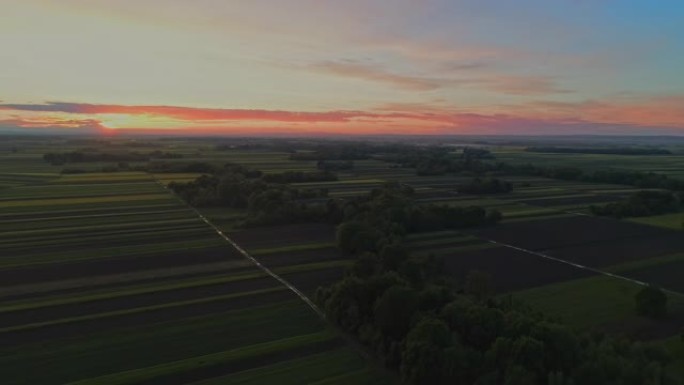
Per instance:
(246,254)
(579,266)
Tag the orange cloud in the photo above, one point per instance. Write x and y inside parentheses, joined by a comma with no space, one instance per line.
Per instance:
(188,113)
(661,115)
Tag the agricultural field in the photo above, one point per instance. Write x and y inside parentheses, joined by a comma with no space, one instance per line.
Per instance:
(671,165)
(107,278)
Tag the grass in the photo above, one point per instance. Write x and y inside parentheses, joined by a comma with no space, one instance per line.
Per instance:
(87,190)
(340,182)
(133,290)
(435,242)
(584,303)
(644,263)
(207,361)
(367,376)
(83,200)
(108,228)
(675,345)
(129,311)
(304,370)
(668,221)
(92,220)
(119,350)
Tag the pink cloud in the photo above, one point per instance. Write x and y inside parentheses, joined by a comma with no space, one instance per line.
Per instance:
(627,116)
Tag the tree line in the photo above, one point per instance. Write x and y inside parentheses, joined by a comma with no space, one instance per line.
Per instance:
(600,151)
(388,213)
(624,177)
(642,204)
(267,198)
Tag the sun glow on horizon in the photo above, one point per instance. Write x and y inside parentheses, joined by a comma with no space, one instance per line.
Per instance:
(435,66)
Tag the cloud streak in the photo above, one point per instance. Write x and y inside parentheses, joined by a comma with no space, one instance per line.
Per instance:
(188,113)
(629,116)
(377,74)
(503,84)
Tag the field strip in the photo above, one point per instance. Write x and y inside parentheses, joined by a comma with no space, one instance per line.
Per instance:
(136,310)
(244,252)
(189,283)
(110,214)
(205,363)
(577,265)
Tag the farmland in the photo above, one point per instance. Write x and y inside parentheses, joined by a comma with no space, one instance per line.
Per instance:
(108,277)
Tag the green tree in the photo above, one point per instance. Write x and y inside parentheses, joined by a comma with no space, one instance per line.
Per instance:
(394,311)
(651,302)
(479,285)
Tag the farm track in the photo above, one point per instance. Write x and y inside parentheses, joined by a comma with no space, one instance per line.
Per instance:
(242,251)
(582,267)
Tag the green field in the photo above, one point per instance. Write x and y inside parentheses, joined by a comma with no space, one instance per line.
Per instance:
(108,278)
(115,281)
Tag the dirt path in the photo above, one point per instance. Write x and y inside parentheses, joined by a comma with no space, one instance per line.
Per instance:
(244,253)
(583,267)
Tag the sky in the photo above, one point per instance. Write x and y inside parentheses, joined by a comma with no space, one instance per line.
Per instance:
(261,67)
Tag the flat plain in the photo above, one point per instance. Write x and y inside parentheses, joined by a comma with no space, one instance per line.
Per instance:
(108,278)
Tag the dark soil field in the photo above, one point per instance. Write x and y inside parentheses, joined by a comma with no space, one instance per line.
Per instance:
(280,236)
(81,328)
(667,275)
(511,269)
(80,286)
(444,246)
(565,231)
(550,202)
(47,313)
(120,265)
(613,252)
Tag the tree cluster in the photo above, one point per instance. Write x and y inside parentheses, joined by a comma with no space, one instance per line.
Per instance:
(267,203)
(642,204)
(432,330)
(606,151)
(387,214)
(651,302)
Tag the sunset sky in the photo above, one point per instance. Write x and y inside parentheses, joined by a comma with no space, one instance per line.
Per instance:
(343,67)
